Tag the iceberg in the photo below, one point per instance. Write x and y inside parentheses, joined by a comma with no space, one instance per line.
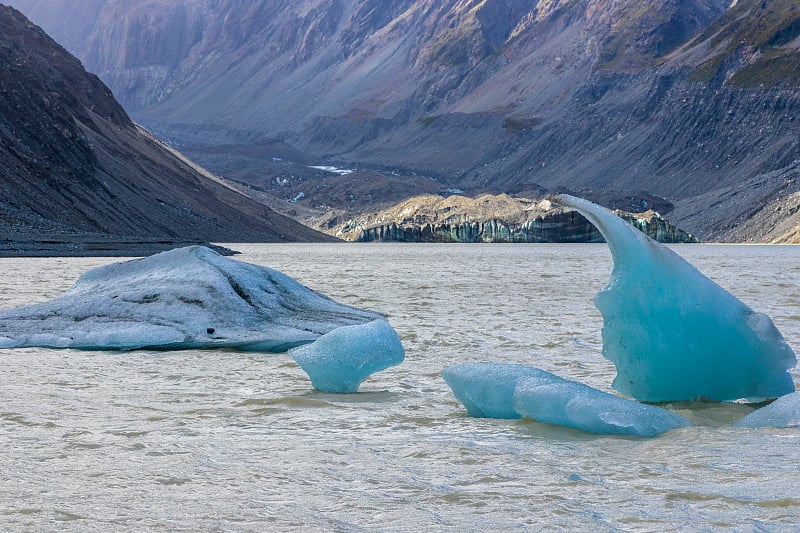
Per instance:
(504,390)
(578,406)
(340,360)
(672,333)
(487,389)
(184,298)
(782,413)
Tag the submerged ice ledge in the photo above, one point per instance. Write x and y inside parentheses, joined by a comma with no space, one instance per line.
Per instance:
(184,298)
(782,413)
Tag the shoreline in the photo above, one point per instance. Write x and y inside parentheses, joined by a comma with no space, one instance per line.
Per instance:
(98,248)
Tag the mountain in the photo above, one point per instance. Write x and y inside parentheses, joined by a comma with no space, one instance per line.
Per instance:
(695,101)
(74,167)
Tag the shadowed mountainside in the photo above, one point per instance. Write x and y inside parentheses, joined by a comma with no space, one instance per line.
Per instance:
(73,167)
(695,101)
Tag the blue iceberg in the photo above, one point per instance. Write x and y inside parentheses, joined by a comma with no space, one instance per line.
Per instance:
(340,360)
(672,333)
(185,298)
(782,413)
(578,406)
(501,390)
(487,389)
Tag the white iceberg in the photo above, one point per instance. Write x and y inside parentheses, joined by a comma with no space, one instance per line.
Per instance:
(578,406)
(782,413)
(487,389)
(185,298)
(672,333)
(340,360)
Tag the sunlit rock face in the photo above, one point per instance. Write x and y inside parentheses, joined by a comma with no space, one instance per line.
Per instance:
(340,360)
(674,334)
(185,298)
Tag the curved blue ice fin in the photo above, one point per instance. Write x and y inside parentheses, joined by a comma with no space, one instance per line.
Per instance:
(674,334)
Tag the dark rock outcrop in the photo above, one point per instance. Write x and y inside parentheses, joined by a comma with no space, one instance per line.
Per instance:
(75,168)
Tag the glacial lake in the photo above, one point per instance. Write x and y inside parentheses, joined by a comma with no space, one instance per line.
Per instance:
(231,441)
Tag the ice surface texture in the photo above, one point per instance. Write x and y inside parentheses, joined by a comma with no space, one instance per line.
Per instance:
(185,298)
(674,334)
(487,389)
(578,406)
(340,360)
(782,413)
(497,390)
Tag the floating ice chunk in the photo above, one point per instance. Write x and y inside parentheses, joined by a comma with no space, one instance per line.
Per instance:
(487,389)
(782,413)
(575,405)
(185,298)
(497,390)
(340,360)
(674,334)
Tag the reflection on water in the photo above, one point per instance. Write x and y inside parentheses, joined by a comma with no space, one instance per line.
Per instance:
(200,440)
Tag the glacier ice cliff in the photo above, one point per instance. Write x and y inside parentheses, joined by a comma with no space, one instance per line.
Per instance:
(782,413)
(340,360)
(672,333)
(185,298)
(503,390)
(551,227)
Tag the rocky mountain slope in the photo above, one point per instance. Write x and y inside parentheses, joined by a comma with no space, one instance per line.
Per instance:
(695,101)
(73,167)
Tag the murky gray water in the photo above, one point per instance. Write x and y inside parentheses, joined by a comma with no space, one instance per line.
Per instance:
(222,440)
